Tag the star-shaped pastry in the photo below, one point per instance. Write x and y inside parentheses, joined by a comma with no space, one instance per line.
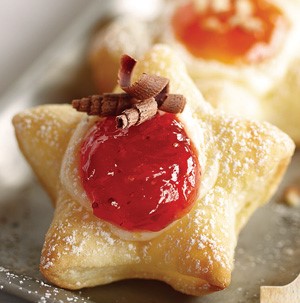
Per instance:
(242,163)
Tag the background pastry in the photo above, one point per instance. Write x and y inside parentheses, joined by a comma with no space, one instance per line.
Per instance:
(243,55)
(119,37)
(242,163)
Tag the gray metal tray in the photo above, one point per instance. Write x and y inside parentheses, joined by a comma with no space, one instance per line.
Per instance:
(268,251)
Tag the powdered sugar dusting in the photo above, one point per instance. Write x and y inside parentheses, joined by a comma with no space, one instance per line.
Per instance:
(37,289)
(197,252)
(47,129)
(42,133)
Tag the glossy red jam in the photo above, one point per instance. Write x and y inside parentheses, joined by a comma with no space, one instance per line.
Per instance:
(232,34)
(142,178)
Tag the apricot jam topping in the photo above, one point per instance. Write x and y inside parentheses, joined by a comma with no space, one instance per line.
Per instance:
(142,178)
(230,30)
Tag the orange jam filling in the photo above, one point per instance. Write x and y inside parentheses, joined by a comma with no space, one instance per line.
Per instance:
(243,30)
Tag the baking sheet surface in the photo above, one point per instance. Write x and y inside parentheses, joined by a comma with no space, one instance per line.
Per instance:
(268,250)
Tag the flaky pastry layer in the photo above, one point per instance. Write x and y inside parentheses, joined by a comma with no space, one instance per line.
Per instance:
(242,163)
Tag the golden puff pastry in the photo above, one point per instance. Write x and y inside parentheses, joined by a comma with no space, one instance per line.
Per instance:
(263,85)
(242,163)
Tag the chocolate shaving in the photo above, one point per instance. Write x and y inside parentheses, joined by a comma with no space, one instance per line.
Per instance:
(114,104)
(104,105)
(128,118)
(140,101)
(146,87)
(127,64)
(171,103)
(139,113)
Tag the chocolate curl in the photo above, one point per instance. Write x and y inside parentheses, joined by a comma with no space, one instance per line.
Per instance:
(171,103)
(146,87)
(139,113)
(82,105)
(140,102)
(104,105)
(126,67)
(114,104)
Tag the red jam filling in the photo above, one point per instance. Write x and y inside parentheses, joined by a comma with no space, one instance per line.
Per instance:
(232,34)
(142,178)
